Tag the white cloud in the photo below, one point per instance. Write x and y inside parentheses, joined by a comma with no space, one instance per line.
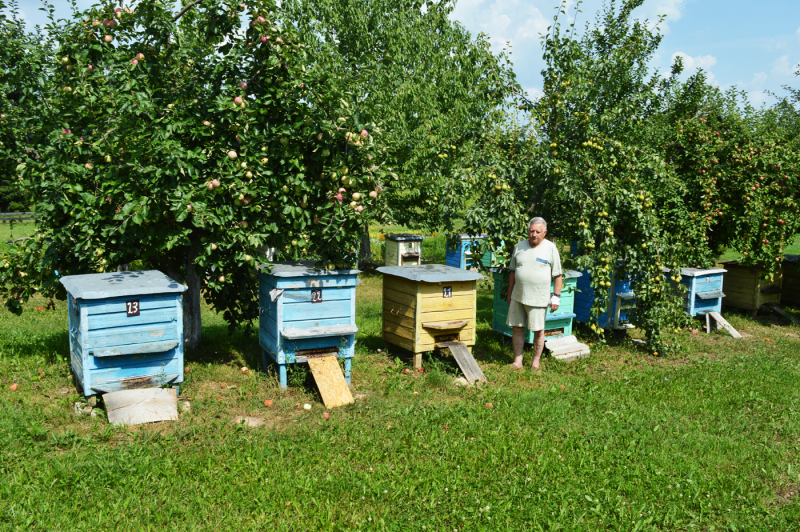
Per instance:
(690,63)
(534,93)
(673,9)
(535,25)
(797,34)
(783,66)
(757,97)
(758,79)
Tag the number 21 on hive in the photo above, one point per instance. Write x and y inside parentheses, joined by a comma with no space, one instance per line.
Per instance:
(132,307)
(447,291)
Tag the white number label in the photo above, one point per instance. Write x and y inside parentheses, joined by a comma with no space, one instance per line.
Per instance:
(132,307)
(447,291)
(316,296)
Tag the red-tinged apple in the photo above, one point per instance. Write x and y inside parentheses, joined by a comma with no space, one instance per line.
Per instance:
(238,99)
(206,123)
(215,182)
(373,194)
(316,219)
(263,39)
(222,278)
(89,166)
(325,415)
(188,207)
(232,154)
(213,247)
(91,67)
(379,189)
(261,20)
(247,258)
(134,62)
(13,387)
(108,38)
(268,402)
(140,56)
(242,84)
(245,370)
(303,204)
(364,133)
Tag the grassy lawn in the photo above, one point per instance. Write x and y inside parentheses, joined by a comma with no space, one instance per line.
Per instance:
(19,230)
(618,441)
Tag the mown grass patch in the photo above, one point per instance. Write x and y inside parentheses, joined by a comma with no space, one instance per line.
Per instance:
(620,441)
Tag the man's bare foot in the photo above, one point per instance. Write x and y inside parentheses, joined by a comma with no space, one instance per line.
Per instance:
(536,369)
(514,367)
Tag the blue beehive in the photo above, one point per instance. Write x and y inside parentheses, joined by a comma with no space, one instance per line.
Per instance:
(125,330)
(704,293)
(306,313)
(459,251)
(620,301)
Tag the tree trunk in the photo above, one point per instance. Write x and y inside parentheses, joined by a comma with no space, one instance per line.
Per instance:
(366,246)
(191,303)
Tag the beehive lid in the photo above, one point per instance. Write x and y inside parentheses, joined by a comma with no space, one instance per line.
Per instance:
(430,273)
(698,272)
(303,268)
(118,284)
(404,237)
(465,236)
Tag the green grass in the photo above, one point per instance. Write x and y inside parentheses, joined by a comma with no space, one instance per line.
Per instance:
(619,441)
(19,230)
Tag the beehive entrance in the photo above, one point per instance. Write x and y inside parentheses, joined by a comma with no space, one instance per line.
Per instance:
(445,338)
(319,352)
(554,332)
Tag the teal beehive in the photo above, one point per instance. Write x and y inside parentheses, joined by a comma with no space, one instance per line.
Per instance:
(125,330)
(306,313)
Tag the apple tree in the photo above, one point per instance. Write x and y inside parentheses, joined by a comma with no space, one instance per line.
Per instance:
(192,138)
(431,86)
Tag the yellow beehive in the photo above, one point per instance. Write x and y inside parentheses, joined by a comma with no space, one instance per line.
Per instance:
(746,289)
(424,306)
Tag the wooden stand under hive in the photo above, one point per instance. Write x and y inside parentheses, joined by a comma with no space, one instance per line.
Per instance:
(125,330)
(425,307)
(555,326)
(403,250)
(746,289)
(306,313)
(790,291)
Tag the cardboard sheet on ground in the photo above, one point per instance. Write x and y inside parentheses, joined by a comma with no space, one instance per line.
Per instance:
(143,405)
(330,381)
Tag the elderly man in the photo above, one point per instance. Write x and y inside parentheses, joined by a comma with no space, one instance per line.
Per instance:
(534,264)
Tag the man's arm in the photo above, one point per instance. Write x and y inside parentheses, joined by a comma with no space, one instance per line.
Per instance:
(555,301)
(512,279)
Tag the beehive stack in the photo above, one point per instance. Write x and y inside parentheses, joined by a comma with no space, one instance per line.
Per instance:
(790,294)
(746,289)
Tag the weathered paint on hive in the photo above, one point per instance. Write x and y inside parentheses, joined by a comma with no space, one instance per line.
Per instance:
(556,324)
(111,350)
(307,302)
(703,290)
(745,289)
(449,307)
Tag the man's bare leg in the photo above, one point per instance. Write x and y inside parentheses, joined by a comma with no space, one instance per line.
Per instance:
(538,348)
(518,341)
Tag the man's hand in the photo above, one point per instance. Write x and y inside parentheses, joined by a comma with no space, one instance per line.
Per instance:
(555,302)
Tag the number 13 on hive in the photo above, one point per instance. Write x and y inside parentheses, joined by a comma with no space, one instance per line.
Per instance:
(132,307)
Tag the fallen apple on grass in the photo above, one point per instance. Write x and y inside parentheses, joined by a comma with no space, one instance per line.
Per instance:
(268,402)
(13,387)
(245,370)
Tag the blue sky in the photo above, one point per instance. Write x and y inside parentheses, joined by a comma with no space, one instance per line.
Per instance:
(752,45)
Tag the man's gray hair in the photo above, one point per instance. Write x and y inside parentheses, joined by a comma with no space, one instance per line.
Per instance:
(536,221)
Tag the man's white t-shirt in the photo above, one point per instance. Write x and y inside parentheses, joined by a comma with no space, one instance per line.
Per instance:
(534,270)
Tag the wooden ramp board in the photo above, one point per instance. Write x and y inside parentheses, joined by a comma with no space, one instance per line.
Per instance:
(472,371)
(779,310)
(330,381)
(724,324)
(567,348)
(144,405)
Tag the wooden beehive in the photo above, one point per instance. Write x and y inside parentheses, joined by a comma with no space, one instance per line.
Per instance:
(556,324)
(704,290)
(790,292)
(125,330)
(403,250)
(620,301)
(746,289)
(424,306)
(460,252)
(306,313)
